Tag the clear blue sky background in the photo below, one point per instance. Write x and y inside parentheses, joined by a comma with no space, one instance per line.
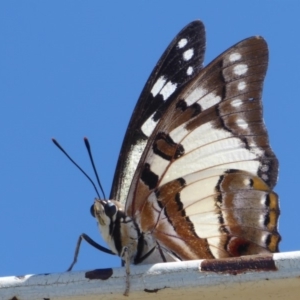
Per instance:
(70,69)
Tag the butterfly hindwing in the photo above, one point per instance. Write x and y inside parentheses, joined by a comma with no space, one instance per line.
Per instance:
(203,186)
(181,61)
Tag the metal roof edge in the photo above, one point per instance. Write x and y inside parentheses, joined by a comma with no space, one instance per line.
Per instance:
(250,277)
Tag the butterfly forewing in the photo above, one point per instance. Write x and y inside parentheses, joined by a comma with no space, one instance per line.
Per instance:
(203,184)
(181,62)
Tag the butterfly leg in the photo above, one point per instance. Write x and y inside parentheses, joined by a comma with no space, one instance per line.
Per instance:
(125,257)
(85,237)
(161,253)
(141,259)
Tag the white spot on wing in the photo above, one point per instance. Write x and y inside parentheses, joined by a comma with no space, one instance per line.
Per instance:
(265,177)
(195,95)
(236,103)
(178,133)
(247,182)
(257,151)
(188,54)
(157,164)
(214,246)
(240,69)
(206,225)
(209,100)
(168,90)
(206,148)
(189,71)
(264,237)
(182,43)
(241,85)
(241,123)
(195,197)
(203,175)
(149,125)
(199,202)
(234,56)
(261,220)
(158,85)
(263,200)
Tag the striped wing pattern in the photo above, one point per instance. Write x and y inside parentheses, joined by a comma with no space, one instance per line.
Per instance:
(203,184)
(182,61)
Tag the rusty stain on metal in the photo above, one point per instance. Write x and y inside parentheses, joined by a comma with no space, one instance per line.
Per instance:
(102,274)
(237,265)
(154,290)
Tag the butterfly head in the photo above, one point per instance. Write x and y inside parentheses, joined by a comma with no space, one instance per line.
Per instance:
(105,211)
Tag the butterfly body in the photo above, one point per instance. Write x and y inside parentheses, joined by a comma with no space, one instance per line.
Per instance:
(120,231)
(195,174)
(117,229)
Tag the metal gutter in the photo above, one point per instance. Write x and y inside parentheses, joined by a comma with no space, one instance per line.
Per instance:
(275,276)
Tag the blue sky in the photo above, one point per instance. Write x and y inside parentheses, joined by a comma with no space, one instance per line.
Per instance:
(70,69)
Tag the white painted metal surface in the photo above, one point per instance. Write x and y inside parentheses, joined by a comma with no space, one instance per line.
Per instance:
(201,279)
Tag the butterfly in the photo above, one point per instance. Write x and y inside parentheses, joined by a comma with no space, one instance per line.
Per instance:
(195,174)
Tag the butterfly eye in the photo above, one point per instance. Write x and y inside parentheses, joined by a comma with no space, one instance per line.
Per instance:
(92,210)
(110,209)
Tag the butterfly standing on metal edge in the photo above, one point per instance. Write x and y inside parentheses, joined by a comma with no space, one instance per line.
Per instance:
(195,173)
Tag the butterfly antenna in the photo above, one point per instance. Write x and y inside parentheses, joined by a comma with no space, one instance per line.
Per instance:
(88,147)
(68,156)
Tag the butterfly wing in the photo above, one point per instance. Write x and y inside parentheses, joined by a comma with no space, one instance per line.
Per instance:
(203,187)
(181,61)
